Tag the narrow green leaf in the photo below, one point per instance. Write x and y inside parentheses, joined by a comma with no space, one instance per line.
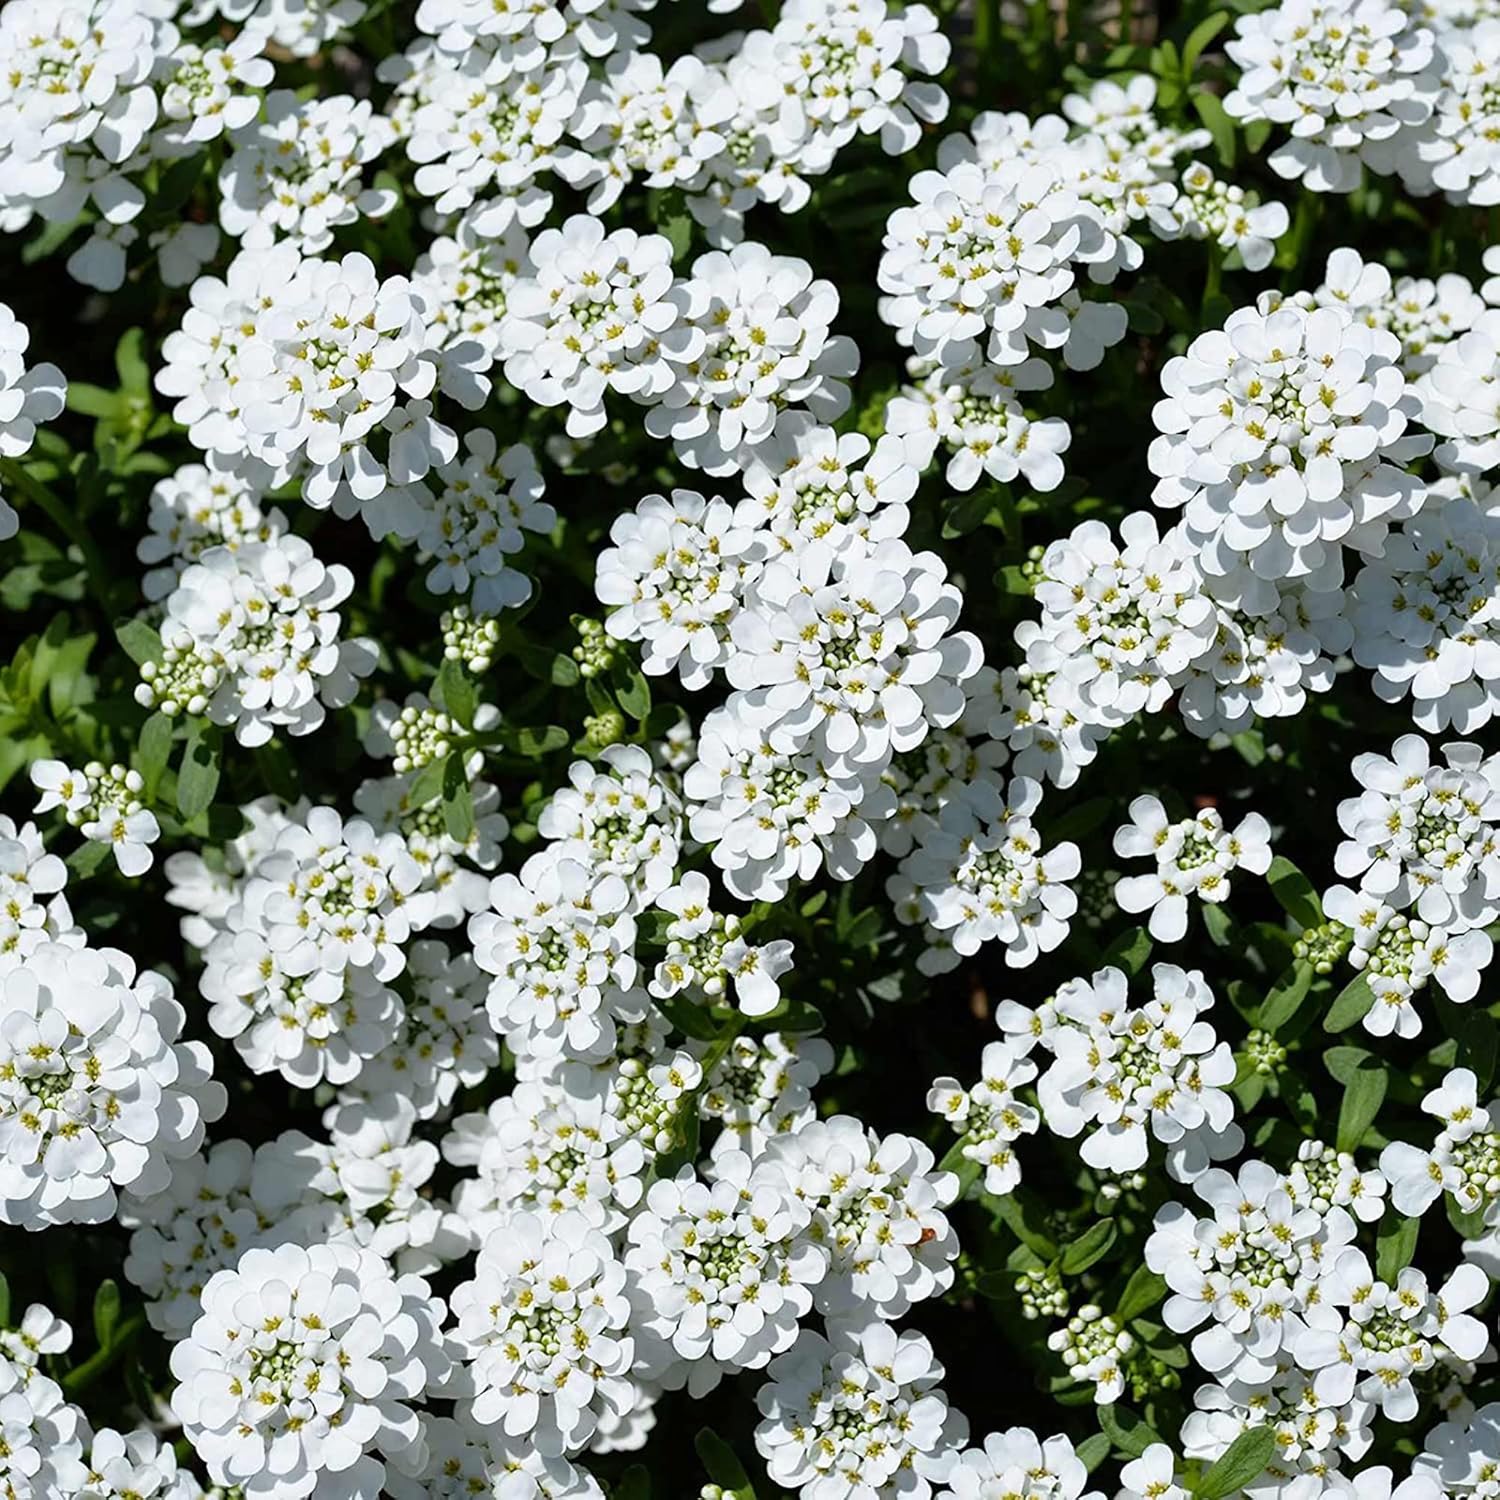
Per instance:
(1142,1292)
(198,774)
(1216,121)
(455,690)
(691,1020)
(1353,1004)
(723,1467)
(458,798)
(1092,1245)
(1286,996)
(92,400)
(1092,1451)
(1295,892)
(1129,951)
(1022,1217)
(1396,1244)
(130,363)
(152,751)
(1243,1463)
(1363,1095)
(1199,38)
(632,690)
(140,642)
(106,1312)
(86,859)
(1130,1432)
(4,1301)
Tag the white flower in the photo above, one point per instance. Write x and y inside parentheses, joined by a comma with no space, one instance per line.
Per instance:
(722,1271)
(1425,315)
(41,1433)
(1250,1272)
(1455,154)
(559,942)
(675,579)
(75,84)
(877,1210)
(27,397)
(1422,836)
(1464,1159)
(807,482)
(705,952)
(307,1363)
(1457,395)
(1322,1177)
(196,508)
(772,818)
(464,280)
(303,27)
(183,250)
(205,91)
(988,1118)
(486,501)
(1220,211)
(1154,1473)
(1118,1070)
(1344,76)
(547,1148)
(1031,714)
(445,1042)
(621,818)
(1459,1454)
(1391,1332)
(591,319)
(97,1092)
(466,1460)
(1120,625)
(641,121)
(1017,1462)
(750,340)
(251,639)
(104,804)
(859,1415)
(296,173)
(332,895)
(926,778)
(852,653)
(762,1088)
(1282,441)
(980,875)
(975,412)
(1426,617)
(986,251)
(28,876)
(122,1466)
(1194,857)
(544,1324)
(1093,1348)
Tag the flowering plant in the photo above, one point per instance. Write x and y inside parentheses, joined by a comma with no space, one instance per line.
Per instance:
(748,750)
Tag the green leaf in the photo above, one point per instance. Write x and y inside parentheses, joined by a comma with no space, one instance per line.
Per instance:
(632,690)
(1218,124)
(1199,38)
(722,1466)
(1243,1463)
(456,692)
(678,229)
(1092,1451)
(152,751)
(635,1484)
(1130,1432)
(106,1312)
(1129,951)
(1286,996)
(140,642)
(92,400)
(965,1168)
(198,774)
(4,1301)
(1363,1096)
(1021,1215)
(86,859)
(1470,1225)
(130,362)
(691,1020)
(1295,892)
(458,798)
(1396,1244)
(1345,1061)
(1092,1245)
(1218,924)
(1352,1004)
(1142,1292)
(427,785)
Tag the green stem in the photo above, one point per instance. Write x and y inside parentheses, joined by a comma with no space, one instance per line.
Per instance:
(81,1377)
(64,519)
(1215,273)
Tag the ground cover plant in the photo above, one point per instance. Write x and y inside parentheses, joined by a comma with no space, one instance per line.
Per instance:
(749,750)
